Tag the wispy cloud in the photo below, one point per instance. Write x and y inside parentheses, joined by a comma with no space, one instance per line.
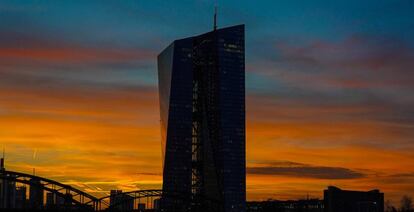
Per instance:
(329,88)
(301,170)
(358,62)
(28,52)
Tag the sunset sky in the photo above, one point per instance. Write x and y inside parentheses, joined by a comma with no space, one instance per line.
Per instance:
(330,91)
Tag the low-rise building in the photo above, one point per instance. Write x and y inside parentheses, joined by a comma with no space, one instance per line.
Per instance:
(338,200)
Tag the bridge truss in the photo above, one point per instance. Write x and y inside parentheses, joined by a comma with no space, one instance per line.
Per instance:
(76,199)
(72,197)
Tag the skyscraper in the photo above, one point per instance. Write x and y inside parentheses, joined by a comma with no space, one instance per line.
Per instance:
(202,104)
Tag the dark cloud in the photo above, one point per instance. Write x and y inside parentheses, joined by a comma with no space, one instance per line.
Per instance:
(355,69)
(397,179)
(50,53)
(361,78)
(294,169)
(149,174)
(54,84)
(43,63)
(355,62)
(403,175)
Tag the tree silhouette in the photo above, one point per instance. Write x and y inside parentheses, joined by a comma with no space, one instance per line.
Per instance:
(406,204)
(389,207)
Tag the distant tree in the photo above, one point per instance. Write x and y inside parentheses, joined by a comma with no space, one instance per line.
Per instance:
(406,204)
(389,207)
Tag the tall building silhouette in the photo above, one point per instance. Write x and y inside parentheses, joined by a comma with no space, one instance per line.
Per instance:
(202,104)
(36,194)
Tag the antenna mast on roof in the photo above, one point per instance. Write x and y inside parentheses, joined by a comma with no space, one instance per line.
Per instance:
(2,168)
(215,18)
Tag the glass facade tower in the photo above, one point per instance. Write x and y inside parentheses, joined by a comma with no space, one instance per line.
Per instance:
(202,104)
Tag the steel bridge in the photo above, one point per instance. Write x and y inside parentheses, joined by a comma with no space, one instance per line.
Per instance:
(126,201)
(129,200)
(77,199)
(69,194)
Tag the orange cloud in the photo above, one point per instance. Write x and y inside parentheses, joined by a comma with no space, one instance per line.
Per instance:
(107,138)
(73,55)
(101,136)
(29,49)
